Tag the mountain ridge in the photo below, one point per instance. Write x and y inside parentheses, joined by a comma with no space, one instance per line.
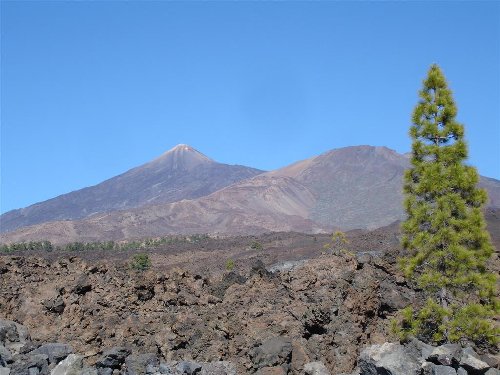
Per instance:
(179,173)
(347,188)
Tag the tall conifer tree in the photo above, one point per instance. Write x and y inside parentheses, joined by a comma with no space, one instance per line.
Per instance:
(445,233)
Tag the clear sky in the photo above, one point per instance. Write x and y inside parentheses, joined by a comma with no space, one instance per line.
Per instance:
(90,89)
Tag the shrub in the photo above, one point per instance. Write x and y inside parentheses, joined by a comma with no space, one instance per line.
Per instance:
(256,245)
(141,262)
(229,264)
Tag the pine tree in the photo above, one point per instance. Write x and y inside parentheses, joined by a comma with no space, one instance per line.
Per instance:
(445,233)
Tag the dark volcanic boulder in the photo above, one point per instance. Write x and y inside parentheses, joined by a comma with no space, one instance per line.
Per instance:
(446,355)
(30,364)
(55,352)
(113,358)
(388,359)
(188,367)
(55,305)
(272,352)
(5,356)
(136,364)
(470,361)
(433,369)
(13,336)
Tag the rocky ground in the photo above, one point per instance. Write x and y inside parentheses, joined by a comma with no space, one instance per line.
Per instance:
(321,310)
(278,312)
(19,355)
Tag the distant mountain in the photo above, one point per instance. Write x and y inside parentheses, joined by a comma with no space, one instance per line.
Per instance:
(355,187)
(180,173)
(256,205)
(347,188)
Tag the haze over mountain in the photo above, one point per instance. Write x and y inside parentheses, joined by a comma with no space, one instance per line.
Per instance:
(180,173)
(347,188)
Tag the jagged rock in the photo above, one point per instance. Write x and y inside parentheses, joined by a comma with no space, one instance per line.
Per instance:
(218,368)
(13,336)
(388,359)
(315,368)
(188,367)
(165,369)
(54,305)
(30,364)
(430,368)
(446,355)
(82,285)
(4,371)
(299,356)
(272,352)
(392,298)
(113,358)
(326,300)
(259,268)
(5,356)
(55,352)
(71,365)
(461,371)
(137,364)
(419,349)
(228,279)
(470,361)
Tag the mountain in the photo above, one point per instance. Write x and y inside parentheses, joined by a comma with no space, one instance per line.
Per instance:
(180,173)
(347,188)
(360,186)
(355,187)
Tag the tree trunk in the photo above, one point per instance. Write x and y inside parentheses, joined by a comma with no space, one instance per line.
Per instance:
(443,299)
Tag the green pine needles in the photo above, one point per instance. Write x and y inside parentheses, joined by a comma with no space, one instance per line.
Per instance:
(445,232)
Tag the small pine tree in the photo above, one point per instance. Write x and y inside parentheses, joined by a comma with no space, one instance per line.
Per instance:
(445,233)
(141,262)
(338,243)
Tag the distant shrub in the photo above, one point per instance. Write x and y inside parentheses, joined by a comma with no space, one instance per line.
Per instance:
(338,244)
(141,262)
(229,264)
(256,245)
(27,246)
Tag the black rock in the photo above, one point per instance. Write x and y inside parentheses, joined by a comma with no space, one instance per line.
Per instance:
(272,352)
(54,351)
(258,268)
(5,356)
(82,285)
(30,364)
(138,364)
(432,369)
(188,367)
(113,358)
(54,305)
(446,355)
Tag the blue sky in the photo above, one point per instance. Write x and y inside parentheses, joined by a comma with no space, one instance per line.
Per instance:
(90,89)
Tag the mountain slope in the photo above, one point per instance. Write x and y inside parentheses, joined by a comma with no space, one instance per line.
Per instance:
(355,187)
(256,205)
(180,173)
(347,188)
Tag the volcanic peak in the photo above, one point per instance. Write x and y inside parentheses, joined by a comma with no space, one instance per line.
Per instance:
(183,157)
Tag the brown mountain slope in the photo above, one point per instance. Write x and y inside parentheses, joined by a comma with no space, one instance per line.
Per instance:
(256,205)
(180,173)
(355,187)
(348,188)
